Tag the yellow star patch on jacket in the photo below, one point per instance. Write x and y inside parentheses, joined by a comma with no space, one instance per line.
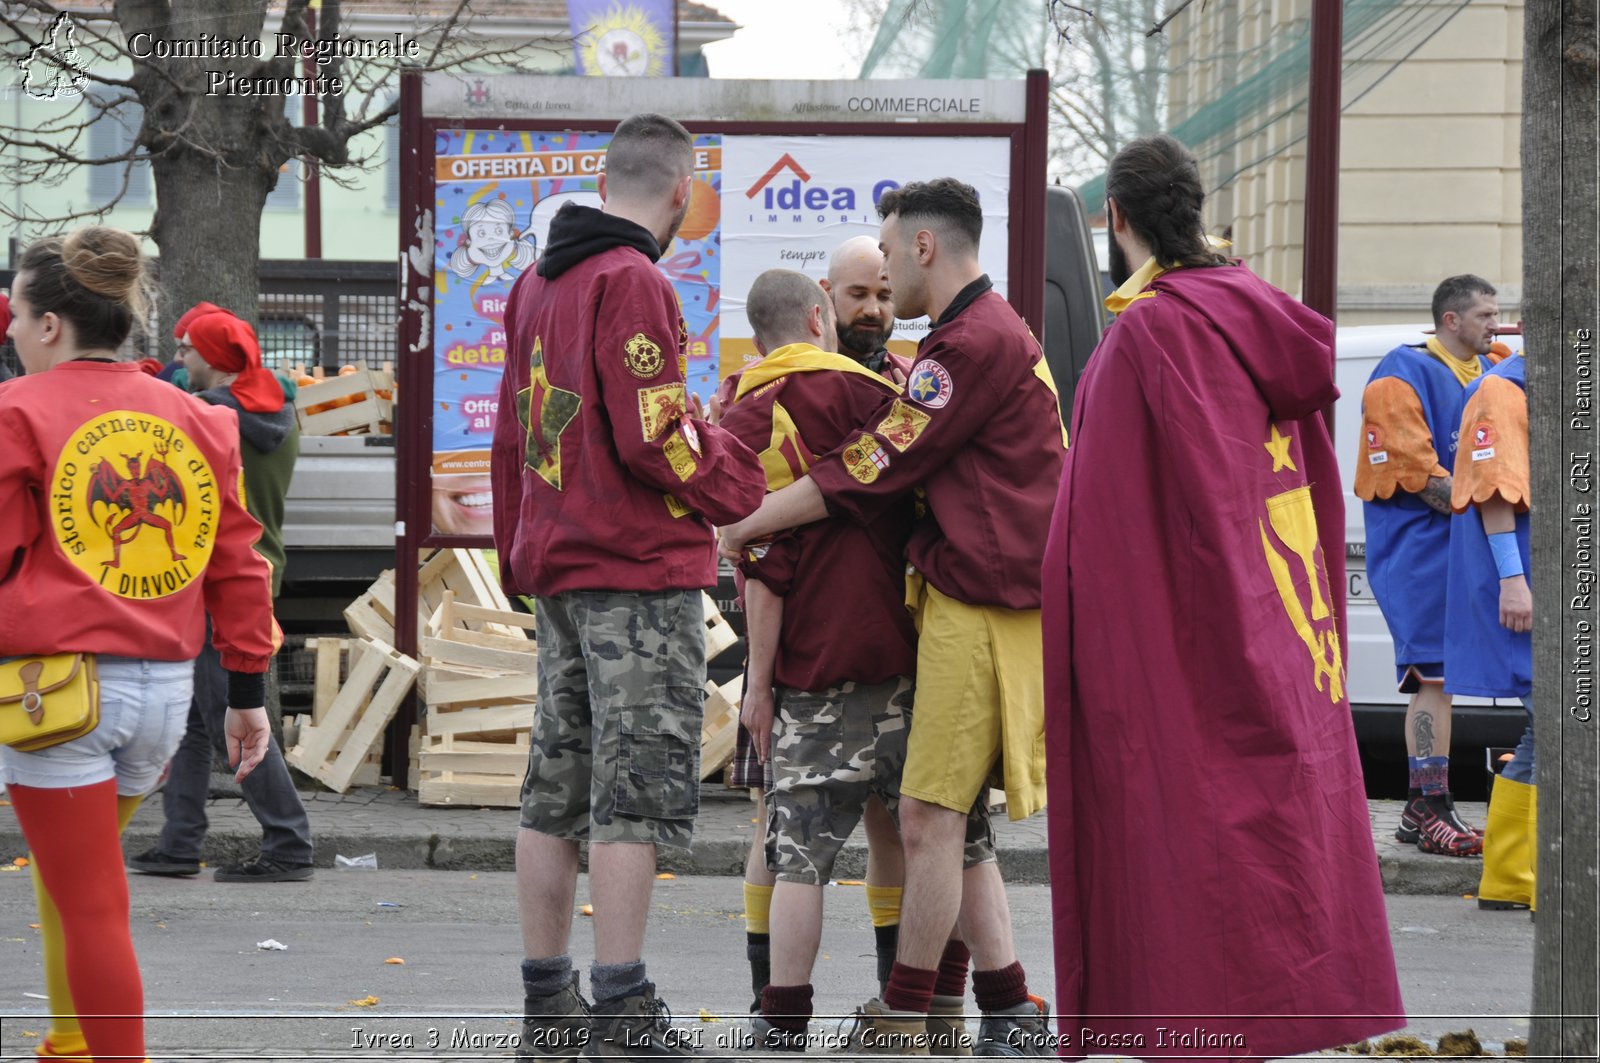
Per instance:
(556,408)
(1278,447)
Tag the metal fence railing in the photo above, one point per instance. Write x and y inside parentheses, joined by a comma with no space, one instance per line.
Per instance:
(316,312)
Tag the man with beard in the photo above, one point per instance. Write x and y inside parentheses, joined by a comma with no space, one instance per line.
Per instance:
(222,359)
(605,489)
(1411,414)
(863,306)
(1210,852)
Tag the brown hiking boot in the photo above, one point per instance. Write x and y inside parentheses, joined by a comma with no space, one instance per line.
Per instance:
(554,1028)
(1020,1031)
(947,1027)
(881,1032)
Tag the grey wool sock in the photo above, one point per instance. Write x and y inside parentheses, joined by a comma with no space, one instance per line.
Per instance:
(613,981)
(546,977)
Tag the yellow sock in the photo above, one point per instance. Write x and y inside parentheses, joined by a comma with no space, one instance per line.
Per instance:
(757,908)
(65,1040)
(883,903)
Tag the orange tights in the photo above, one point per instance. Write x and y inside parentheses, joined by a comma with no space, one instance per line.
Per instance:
(75,835)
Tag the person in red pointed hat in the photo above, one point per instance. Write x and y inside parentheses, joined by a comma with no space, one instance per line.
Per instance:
(223,361)
(220,350)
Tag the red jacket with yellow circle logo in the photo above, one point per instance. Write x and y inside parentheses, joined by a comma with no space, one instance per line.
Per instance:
(124,523)
(602,481)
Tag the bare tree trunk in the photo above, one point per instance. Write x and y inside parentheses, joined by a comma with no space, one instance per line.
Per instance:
(208,229)
(1559,301)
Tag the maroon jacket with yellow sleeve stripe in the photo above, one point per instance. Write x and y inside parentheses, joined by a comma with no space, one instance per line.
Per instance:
(601,479)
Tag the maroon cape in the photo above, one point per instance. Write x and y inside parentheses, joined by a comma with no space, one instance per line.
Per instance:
(1215,888)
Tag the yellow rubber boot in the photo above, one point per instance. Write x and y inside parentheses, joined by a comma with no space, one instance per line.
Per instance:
(1507,882)
(1533,849)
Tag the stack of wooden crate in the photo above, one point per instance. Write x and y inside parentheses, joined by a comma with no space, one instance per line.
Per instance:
(477,677)
(359,401)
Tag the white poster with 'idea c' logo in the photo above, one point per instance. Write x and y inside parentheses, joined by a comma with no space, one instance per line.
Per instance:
(787,202)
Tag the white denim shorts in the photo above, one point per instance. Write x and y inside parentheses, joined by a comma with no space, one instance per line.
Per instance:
(144,708)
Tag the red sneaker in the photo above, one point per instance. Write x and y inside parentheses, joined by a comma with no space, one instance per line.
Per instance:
(1440,830)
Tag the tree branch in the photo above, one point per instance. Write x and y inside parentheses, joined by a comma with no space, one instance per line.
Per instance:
(1174,13)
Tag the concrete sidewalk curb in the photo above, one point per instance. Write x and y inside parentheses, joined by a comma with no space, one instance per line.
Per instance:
(406,836)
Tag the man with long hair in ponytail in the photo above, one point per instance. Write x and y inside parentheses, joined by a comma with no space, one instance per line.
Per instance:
(1212,872)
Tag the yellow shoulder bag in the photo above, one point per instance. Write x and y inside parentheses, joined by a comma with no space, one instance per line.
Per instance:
(45,701)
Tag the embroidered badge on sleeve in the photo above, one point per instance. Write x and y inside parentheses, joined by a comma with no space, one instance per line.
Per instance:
(1483,438)
(680,456)
(930,384)
(902,425)
(658,407)
(865,458)
(642,356)
(1376,455)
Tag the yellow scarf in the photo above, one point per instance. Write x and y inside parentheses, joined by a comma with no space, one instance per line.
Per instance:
(1466,372)
(1133,289)
(803,358)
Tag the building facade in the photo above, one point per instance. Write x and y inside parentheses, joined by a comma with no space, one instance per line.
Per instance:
(1430,181)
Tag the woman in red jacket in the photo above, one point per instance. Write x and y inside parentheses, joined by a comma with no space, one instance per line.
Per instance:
(123,526)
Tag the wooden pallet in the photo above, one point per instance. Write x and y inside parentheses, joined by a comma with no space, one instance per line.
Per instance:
(463,771)
(719,728)
(719,633)
(332,659)
(333,748)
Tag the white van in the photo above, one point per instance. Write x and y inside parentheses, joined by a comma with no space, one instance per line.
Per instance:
(1378,707)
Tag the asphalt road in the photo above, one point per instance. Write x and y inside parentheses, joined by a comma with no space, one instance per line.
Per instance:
(213,994)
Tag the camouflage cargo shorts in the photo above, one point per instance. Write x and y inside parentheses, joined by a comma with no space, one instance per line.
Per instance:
(615,751)
(831,750)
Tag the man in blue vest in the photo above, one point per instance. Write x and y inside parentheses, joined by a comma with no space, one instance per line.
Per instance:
(1411,416)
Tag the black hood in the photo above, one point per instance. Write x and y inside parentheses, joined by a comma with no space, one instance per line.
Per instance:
(579,232)
(264,431)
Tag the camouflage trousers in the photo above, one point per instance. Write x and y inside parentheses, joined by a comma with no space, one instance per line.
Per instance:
(615,753)
(831,750)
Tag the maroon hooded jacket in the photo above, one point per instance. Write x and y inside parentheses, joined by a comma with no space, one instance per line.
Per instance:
(602,481)
(1215,888)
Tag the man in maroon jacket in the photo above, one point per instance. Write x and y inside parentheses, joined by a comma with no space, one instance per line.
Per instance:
(828,703)
(605,492)
(978,427)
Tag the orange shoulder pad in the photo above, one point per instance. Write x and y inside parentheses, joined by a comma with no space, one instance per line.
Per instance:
(1492,457)
(1396,448)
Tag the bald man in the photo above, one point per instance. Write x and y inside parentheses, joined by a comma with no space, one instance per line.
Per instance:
(826,702)
(863,306)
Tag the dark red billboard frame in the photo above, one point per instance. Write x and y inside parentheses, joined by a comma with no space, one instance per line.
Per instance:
(414,355)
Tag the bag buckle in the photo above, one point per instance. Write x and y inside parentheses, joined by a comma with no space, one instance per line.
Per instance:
(32,700)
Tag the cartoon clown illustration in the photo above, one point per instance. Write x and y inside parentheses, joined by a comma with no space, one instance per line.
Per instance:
(489,239)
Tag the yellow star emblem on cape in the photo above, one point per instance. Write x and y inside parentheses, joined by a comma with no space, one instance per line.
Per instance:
(924,387)
(1278,447)
(556,408)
